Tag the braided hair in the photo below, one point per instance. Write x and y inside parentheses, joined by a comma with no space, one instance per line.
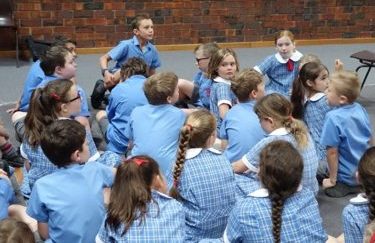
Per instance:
(280,172)
(198,128)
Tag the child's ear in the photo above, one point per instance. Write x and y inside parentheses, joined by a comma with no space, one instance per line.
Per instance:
(253,94)
(75,157)
(135,31)
(58,70)
(343,100)
(309,83)
(159,184)
(169,99)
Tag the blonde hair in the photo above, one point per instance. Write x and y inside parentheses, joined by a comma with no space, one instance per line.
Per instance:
(216,60)
(279,108)
(309,58)
(199,126)
(283,33)
(208,49)
(159,86)
(245,82)
(346,83)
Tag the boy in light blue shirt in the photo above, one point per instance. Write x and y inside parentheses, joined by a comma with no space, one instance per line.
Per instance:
(155,128)
(138,46)
(241,125)
(346,134)
(68,204)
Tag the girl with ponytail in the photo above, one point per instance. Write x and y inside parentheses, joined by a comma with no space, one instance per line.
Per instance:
(282,210)
(361,210)
(139,209)
(202,179)
(275,116)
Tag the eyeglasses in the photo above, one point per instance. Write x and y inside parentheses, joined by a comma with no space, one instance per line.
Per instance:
(76,98)
(200,59)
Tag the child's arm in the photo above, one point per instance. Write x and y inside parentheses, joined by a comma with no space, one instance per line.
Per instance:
(108,77)
(339,65)
(333,160)
(43,230)
(239,166)
(223,109)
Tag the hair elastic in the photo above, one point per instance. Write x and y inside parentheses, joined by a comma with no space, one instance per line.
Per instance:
(175,183)
(55,96)
(139,161)
(372,239)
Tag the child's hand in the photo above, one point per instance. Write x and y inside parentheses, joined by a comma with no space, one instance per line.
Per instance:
(4,175)
(109,80)
(327,183)
(339,65)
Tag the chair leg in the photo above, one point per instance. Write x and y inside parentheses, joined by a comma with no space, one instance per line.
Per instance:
(17,51)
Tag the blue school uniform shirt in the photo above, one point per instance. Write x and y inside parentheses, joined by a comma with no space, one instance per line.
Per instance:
(310,159)
(207,188)
(122,100)
(280,80)
(221,93)
(84,106)
(316,109)
(245,184)
(204,89)
(355,217)
(251,219)
(131,48)
(71,201)
(34,77)
(348,129)
(154,130)
(7,197)
(163,222)
(242,129)
(40,165)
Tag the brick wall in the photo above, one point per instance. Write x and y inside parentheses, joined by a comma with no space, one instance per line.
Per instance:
(102,23)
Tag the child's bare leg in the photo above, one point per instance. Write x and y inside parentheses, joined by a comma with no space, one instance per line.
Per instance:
(18,212)
(186,88)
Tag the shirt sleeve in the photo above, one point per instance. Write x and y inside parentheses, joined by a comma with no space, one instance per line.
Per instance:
(223,129)
(223,95)
(352,231)
(119,51)
(330,134)
(156,60)
(107,175)
(251,159)
(35,207)
(265,66)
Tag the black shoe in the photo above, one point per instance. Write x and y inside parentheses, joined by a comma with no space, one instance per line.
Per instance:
(341,190)
(98,93)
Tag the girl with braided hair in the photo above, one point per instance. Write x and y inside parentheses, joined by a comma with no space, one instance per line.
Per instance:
(275,116)
(139,209)
(361,210)
(202,179)
(282,210)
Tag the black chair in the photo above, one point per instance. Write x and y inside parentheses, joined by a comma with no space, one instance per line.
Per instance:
(37,47)
(367,58)
(7,20)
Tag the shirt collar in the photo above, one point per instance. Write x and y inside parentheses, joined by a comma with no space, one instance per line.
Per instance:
(359,199)
(296,56)
(263,192)
(136,42)
(221,80)
(193,152)
(317,96)
(161,194)
(279,132)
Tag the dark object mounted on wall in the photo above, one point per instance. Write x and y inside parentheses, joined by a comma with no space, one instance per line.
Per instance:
(7,21)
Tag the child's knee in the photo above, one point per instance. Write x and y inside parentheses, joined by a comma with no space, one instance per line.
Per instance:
(100,115)
(18,115)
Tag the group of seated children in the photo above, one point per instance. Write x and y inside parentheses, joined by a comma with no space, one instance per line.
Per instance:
(239,164)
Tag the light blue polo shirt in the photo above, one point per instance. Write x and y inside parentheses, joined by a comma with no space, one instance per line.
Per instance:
(70,200)
(123,99)
(7,197)
(131,48)
(242,129)
(34,77)
(348,129)
(155,131)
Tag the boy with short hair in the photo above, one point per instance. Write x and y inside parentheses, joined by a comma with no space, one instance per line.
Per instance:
(138,46)
(68,204)
(155,127)
(241,125)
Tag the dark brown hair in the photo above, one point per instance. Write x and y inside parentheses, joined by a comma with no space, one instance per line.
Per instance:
(159,87)
(133,66)
(245,82)
(136,22)
(216,60)
(279,108)
(61,139)
(54,57)
(13,231)
(131,192)
(45,105)
(366,172)
(280,172)
(199,126)
(309,71)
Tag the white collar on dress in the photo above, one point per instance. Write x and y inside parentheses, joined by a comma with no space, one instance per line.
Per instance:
(317,96)
(279,132)
(193,152)
(263,192)
(359,199)
(296,56)
(161,194)
(221,80)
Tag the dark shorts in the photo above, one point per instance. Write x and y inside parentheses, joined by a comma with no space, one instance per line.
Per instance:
(19,127)
(195,95)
